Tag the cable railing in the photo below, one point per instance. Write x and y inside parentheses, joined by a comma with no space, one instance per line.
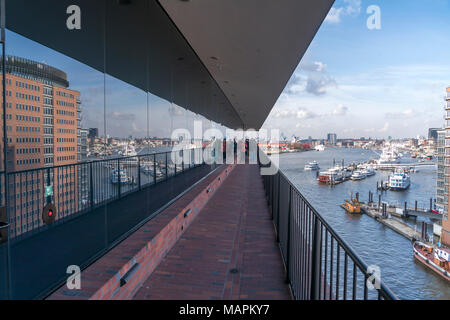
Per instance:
(320,265)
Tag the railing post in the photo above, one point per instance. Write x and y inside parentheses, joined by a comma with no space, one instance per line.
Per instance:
(91,186)
(315,263)
(182,160)
(139,173)
(154,168)
(118,178)
(278,209)
(288,241)
(167,176)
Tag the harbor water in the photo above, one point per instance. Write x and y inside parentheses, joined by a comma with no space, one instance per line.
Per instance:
(375,243)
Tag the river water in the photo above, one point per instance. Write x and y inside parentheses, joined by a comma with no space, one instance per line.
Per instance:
(375,243)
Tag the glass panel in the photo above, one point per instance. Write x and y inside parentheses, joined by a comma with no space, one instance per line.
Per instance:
(54,193)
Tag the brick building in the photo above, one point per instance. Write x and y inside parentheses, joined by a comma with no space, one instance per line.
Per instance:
(43,118)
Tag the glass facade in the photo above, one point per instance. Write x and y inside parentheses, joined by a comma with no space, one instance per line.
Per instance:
(92,135)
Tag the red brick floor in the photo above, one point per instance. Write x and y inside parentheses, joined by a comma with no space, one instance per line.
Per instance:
(233,231)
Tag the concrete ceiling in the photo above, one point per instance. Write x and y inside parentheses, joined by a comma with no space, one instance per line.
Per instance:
(228,60)
(250,47)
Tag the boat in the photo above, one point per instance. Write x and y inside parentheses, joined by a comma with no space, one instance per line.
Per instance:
(312,166)
(369,172)
(358,175)
(388,156)
(320,148)
(119,174)
(131,155)
(353,206)
(399,181)
(435,258)
(331,176)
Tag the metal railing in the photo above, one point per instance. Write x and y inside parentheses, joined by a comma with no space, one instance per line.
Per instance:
(81,187)
(320,265)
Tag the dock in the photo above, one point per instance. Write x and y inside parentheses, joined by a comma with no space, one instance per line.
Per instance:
(394,224)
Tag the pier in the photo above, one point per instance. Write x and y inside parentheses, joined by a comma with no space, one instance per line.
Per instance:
(394,224)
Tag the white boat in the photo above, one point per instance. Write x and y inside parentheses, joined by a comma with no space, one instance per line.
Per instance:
(130,153)
(369,172)
(119,175)
(399,181)
(358,175)
(388,155)
(312,166)
(320,148)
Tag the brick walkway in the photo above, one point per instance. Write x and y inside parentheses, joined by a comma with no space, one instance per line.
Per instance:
(233,231)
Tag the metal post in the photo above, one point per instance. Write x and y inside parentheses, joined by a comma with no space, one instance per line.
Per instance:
(278,209)
(182,160)
(431,204)
(415,206)
(406,208)
(139,173)
(154,169)
(167,176)
(288,244)
(118,178)
(49,197)
(379,202)
(91,186)
(315,263)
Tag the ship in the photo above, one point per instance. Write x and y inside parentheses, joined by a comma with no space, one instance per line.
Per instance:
(312,166)
(399,181)
(331,176)
(369,172)
(358,175)
(320,148)
(388,156)
(435,258)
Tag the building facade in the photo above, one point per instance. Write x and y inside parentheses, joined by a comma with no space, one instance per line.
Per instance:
(42,129)
(332,139)
(445,233)
(442,180)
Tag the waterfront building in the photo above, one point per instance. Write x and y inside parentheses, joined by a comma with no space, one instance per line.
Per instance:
(332,139)
(445,233)
(42,126)
(442,180)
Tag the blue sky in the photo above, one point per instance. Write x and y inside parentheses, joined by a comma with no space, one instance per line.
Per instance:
(359,82)
(352,81)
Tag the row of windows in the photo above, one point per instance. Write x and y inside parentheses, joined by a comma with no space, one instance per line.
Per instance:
(27,86)
(66,158)
(65,149)
(66,131)
(28,161)
(28,140)
(28,150)
(65,140)
(27,118)
(29,97)
(64,103)
(48,140)
(48,91)
(65,113)
(63,121)
(64,94)
(26,107)
(48,160)
(27,129)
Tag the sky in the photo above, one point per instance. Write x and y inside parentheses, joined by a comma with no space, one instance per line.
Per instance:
(382,82)
(352,81)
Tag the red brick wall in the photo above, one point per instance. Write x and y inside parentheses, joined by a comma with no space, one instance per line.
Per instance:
(147,247)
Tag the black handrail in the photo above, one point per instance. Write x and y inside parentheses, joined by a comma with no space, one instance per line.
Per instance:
(312,250)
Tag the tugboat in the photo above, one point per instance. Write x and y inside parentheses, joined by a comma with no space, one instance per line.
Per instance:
(435,258)
(353,206)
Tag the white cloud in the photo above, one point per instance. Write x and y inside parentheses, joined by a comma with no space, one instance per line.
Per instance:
(341,110)
(348,8)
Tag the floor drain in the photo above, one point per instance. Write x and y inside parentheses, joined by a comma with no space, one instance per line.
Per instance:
(234,271)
